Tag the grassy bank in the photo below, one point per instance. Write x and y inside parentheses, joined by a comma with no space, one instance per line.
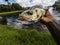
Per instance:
(9,13)
(11,36)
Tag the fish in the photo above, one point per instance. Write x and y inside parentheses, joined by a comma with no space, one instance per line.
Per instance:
(32,14)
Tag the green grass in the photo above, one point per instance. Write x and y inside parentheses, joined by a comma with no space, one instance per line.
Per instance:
(9,13)
(11,36)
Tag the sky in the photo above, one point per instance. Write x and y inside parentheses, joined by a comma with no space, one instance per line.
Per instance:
(3,2)
(29,3)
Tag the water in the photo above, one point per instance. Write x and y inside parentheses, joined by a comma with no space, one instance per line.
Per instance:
(14,22)
(55,13)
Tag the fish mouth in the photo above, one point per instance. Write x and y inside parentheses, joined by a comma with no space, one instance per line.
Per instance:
(33,15)
(23,18)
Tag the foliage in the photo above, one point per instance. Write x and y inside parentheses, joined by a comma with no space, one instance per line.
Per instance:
(57,6)
(16,6)
(11,13)
(11,36)
(12,7)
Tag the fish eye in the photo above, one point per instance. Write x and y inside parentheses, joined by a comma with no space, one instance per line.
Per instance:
(30,13)
(36,10)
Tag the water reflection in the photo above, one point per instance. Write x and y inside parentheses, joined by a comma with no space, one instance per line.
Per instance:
(13,20)
(55,13)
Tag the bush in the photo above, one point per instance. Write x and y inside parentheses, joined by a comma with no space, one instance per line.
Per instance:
(11,36)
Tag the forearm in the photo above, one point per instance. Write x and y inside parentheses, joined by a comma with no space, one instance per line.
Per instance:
(54,28)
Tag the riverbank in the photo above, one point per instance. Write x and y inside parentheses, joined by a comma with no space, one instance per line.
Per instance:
(11,36)
(10,13)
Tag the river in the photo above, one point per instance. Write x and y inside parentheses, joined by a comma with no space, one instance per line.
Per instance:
(12,21)
(55,14)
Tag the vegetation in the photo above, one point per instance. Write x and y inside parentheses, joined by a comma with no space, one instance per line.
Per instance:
(11,36)
(57,6)
(10,13)
(12,7)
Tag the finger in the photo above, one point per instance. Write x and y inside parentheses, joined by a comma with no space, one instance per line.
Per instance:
(45,19)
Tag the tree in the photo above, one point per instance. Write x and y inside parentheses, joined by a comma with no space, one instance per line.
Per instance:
(6,1)
(16,6)
(57,6)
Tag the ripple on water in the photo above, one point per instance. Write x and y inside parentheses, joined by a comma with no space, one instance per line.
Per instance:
(55,13)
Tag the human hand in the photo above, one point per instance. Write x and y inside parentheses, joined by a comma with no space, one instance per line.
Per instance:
(47,18)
